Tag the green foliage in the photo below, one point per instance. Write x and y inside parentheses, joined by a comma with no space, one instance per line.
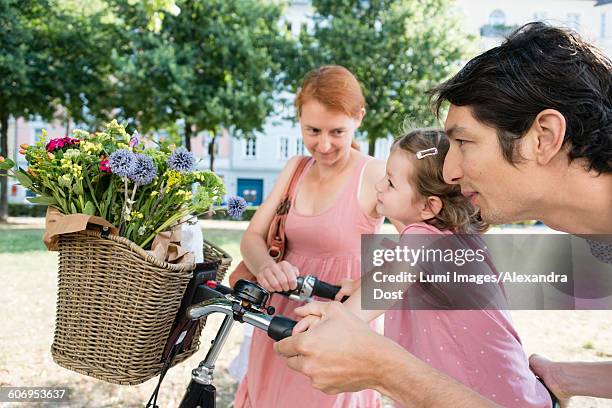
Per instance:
(26,210)
(398,49)
(216,64)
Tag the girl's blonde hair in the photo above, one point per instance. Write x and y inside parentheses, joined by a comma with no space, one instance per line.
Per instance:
(334,87)
(457,213)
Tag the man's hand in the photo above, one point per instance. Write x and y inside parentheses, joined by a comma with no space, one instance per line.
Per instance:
(336,353)
(339,353)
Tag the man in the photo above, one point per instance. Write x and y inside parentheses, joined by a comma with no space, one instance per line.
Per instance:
(530,124)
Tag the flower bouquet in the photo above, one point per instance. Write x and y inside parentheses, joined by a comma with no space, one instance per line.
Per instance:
(117,302)
(111,174)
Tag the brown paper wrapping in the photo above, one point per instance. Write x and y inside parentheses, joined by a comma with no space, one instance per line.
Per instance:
(166,245)
(57,224)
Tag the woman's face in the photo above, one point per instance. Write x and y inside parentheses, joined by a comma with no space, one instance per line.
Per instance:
(327,134)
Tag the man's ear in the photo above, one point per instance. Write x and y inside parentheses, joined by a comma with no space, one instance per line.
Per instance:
(547,133)
(432,207)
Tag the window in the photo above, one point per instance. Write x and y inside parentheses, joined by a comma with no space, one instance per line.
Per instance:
(573,21)
(283,148)
(497,17)
(249,148)
(299,147)
(37,134)
(602,25)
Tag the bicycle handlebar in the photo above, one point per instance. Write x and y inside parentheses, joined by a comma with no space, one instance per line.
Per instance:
(277,327)
(309,286)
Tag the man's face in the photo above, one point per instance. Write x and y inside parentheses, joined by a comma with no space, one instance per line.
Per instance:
(475,162)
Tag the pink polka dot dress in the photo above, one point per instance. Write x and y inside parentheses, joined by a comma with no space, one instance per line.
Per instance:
(479,348)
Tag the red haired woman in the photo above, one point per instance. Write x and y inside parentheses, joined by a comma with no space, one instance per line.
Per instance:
(334,203)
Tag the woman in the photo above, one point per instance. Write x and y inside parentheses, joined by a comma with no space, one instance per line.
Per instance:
(334,203)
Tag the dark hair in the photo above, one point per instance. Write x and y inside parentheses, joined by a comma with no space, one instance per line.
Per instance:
(457,213)
(539,67)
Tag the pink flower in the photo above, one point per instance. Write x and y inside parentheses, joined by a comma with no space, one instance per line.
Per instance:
(60,143)
(104,166)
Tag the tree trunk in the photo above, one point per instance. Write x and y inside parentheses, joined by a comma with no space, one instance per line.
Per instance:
(67,125)
(371,146)
(211,152)
(3,179)
(188,135)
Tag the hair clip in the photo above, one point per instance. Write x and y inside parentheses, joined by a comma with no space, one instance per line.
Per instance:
(427,152)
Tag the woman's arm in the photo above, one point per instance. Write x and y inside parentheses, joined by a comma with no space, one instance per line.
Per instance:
(374,171)
(253,246)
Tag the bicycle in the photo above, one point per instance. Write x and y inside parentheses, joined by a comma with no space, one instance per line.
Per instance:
(245,303)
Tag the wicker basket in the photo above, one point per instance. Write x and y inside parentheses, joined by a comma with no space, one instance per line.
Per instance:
(116,306)
(213,253)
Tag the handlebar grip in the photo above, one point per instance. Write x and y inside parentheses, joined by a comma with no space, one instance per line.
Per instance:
(325,290)
(280,327)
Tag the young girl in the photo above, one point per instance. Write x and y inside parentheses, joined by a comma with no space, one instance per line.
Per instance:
(479,348)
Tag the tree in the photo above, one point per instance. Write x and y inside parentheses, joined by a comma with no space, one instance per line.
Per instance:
(26,87)
(55,58)
(398,49)
(217,64)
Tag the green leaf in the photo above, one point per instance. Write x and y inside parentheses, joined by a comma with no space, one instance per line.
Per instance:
(23,179)
(7,164)
(89,209)
(77,188)
(43,200)
(73,209)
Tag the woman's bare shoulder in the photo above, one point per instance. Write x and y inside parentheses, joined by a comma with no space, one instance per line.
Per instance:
(374,170)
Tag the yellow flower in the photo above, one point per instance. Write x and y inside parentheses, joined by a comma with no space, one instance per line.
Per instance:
(174,177)
(91,148)
(154,193)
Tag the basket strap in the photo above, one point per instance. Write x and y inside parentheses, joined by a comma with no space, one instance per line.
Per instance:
(152,403)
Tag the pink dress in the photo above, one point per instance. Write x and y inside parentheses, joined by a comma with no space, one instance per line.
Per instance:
(479,348)
(326,245)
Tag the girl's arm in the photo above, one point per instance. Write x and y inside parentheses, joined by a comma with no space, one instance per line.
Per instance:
(353,304)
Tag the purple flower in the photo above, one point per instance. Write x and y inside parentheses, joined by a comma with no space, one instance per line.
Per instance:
(144,171)
(181,160)
(122,162)
(236,206)
(134,139)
